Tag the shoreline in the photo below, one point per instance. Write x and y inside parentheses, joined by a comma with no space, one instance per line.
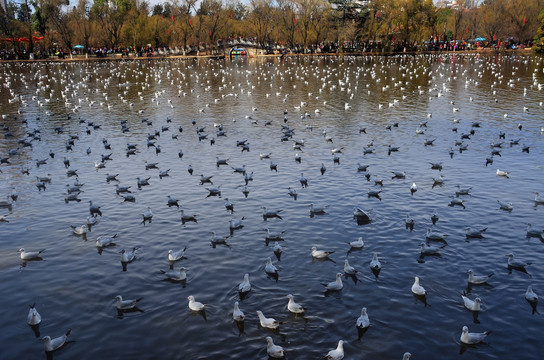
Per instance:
(117,57)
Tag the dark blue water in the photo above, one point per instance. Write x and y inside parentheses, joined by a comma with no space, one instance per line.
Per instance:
(74,285)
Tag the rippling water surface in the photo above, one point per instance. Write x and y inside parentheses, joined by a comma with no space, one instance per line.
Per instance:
(391,97)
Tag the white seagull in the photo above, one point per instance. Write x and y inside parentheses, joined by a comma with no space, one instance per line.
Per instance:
(357,244)
(335,285)
(245,285)
(175,275)
(293,307)
(237,314)
(363,321)
(472,305)
(478,279)
(375,262)
(336,354)
(472,338)
(320,254)
(105,241)
(270,268)
(270,323)
(30,255)
(418,289)
(195,305)
(274,351)
(176,255)
(56,343)
(126,304)
(34,317)
(530,295)
(348,269)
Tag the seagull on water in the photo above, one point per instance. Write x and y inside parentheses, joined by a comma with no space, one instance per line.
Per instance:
(237,314)
(128,256)
(516,264)
(245,285)
(34,317)
(338,353)
(195,305)
(265,322)
(176,255)
(375,262)
(270,268)
(406,356)
(472,305)
(126,304)
(175,275)
(348,269)
(472,338)
(293,307)
(147,215)
(475,233)
(503,173)
(79,230)
(55,343)
(478,279)
(30,255)
(236,223)
(530,295)
(418,289)
(320,254)
(335,285)
(105,241)
(363,321)
(357,244)
(274,351)
(277,236)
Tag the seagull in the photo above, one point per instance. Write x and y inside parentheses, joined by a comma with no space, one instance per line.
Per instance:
(430,236)
(320,254)
(472,305)
(429,249)
(176,275)
(293,307)
(475,233)
(363,321)
(270,213)
(336,354)
(530,295)
(406,356)
(478,279)
(270,268)
(105,241)
(228,205)
(357,244)
(176,255)
(274,351)
(472,338)
(277,249)
(292,192)
(538,200)
(413,188)
(172,202)
(505,206)
(33,318)
(245,285)
(126,304)
(148,215)
(270,323)
(375,262)
(91,220)
(195,305)
(236,223)
(418,289)
(516,264)
(348,269)
(502,173)
(237,314)
(317,210)
(128,257)
(30,255)
(94,209)
(335,285)
(79,230)
(303,181)
(187,218)
(277,236)
(534,233)
(55,343)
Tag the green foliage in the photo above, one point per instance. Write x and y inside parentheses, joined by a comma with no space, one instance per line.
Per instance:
(539,37)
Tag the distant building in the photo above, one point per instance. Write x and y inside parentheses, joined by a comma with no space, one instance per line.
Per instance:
(458,4)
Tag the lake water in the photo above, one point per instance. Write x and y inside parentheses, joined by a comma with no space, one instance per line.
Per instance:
(391,97)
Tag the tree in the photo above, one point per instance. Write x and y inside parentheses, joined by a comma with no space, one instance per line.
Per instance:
(539,37)
(261,20)
(81,15)
(111,15)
